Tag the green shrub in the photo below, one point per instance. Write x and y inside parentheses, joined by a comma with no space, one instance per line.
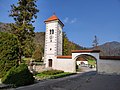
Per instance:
(52,72)
(8,52)
(18,76)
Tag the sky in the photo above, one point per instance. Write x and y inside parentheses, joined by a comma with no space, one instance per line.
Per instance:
(83,19)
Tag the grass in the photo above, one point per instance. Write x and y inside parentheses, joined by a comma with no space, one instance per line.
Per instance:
(27,59)
(52,74)
(92,62)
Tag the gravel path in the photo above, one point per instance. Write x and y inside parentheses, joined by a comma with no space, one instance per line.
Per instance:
(84,81)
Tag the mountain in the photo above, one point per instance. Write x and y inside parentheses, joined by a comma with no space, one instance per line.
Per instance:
(110,49)
(39,38)
(5,27)
(107,49)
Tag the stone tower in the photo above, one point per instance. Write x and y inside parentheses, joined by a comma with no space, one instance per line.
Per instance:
(53,40)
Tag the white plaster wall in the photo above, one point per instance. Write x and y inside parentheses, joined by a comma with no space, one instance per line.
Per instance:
(55,45)
(75,55)
(79,62)
(60,40)
(53,57)
(109,66)
(50,54)
(67,65)
(50,49)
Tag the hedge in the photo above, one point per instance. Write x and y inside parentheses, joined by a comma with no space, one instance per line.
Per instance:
(18,76)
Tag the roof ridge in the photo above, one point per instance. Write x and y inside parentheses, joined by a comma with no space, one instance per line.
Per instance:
(52,18)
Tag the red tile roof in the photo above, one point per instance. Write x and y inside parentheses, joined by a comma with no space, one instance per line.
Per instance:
(69,57)
(85,51)
(52,18)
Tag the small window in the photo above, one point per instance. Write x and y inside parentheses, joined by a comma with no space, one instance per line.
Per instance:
(50,49)
(52,31)
(50,40)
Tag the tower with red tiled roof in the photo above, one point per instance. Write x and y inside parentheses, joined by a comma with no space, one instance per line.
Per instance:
(53,40)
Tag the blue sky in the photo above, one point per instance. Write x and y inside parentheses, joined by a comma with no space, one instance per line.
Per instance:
(83,19)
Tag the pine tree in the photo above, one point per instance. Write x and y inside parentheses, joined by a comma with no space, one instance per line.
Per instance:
(24,14)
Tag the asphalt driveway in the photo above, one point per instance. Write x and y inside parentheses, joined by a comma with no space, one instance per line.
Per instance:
(82,81)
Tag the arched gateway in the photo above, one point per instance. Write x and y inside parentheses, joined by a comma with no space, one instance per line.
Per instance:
(77,53)
(68,63)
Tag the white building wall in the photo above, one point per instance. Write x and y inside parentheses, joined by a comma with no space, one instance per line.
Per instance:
(60,40)
(50,47)
(79,62)
(108,66)
(53,42)
(67,65)
(76,55)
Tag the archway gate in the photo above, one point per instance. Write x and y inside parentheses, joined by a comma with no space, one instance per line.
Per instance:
(68,63)
(77,53)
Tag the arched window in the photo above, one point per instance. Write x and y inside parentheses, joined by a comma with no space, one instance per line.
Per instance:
(52,31)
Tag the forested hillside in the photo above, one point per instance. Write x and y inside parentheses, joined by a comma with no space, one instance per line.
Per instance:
(107,49)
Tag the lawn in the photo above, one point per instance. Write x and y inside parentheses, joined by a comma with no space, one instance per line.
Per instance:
(92,62)
(52,74)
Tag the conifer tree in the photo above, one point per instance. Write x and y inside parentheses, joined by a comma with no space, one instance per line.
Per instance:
(24,14)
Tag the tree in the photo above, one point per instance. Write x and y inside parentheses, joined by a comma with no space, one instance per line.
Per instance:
(8,52)
(38,53)
(24,15)
(65,44)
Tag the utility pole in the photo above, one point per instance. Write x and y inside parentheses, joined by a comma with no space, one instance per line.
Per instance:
(95,42)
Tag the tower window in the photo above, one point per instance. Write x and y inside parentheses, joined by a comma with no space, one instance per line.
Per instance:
(52,31)
(50,49)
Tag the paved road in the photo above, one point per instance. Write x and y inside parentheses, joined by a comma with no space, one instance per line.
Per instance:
(84,81)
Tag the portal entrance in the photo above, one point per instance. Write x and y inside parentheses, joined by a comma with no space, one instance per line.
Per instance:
(50,62)
(85,63)
(88,55)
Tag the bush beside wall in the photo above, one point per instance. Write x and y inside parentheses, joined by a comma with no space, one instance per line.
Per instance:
(18,76)
(8,52)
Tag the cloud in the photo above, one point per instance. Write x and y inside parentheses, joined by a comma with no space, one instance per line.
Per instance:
(66,20)
(73,20)
(70,21)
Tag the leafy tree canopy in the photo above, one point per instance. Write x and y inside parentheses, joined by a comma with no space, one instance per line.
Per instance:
(8,52)
(38,53)
(24,14)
